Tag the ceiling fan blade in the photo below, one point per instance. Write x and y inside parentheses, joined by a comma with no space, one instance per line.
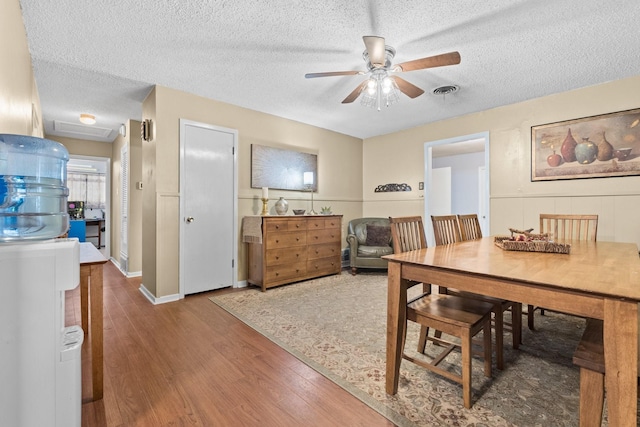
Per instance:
(450,58)
(376,50)
(333,73)
(356,92)
(409,89)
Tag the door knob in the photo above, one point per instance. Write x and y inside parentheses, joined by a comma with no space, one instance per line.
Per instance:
(189,219)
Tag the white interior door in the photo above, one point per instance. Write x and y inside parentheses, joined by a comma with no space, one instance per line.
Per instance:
(482,200)
(208,190)
(440,200)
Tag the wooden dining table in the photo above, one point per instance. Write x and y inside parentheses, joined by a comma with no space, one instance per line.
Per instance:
(600,280)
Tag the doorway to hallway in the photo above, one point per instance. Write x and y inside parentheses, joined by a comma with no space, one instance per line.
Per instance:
(457,179)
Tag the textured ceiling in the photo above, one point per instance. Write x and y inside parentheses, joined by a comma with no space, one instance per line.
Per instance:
(103,57)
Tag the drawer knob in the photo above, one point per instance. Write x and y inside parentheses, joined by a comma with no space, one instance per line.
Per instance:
(277,257)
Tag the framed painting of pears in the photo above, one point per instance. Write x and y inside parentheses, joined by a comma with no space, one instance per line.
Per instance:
(591,147)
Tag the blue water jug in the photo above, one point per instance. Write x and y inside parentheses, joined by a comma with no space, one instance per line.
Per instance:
(33,191)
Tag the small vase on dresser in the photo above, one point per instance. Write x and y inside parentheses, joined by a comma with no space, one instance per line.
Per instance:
(282,206)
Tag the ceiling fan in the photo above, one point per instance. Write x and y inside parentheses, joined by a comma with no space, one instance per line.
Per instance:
(382,87)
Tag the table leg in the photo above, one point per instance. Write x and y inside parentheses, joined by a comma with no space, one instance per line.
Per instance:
(396,318)
(85,272)
(96,331)
(621,361)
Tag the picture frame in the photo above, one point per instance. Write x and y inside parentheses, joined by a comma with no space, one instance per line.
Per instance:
(602,146)
(282,169)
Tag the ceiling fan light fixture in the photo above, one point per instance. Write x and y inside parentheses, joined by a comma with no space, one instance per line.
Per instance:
(87,119)
(371,87)
(380,90)
(387,85)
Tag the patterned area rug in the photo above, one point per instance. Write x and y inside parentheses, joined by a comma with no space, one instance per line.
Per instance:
(337,326)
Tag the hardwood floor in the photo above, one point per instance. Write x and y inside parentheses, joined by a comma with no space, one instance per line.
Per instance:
(191,363)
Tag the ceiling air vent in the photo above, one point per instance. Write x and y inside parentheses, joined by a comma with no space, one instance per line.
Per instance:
(445,90)
(77,129)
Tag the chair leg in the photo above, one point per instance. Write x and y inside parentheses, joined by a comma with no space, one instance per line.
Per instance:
(530,310)
(465,341)
(499,327)
(516,325)
(422,341)
(486,332)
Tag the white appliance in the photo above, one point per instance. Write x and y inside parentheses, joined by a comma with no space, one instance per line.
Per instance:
(40,374)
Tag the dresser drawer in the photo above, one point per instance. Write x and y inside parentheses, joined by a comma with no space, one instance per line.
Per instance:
(286,239)
(286,255)
(322,223)
(323,266)
(282,224)
(324,251)
(330,235)
(333,222)
(285,271)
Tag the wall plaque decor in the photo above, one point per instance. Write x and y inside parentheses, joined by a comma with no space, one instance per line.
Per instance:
(282,169)
(386,188)
(597,146)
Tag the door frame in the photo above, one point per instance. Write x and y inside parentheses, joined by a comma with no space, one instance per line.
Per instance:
(107,203)
(428,166)
(234,245)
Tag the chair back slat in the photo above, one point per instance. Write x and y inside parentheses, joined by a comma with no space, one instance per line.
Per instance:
(575,227)
(469,227)
(407,234)
(446,229)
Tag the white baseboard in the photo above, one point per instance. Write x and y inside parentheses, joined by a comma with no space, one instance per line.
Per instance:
(242,284)
(155,301)
(127,274)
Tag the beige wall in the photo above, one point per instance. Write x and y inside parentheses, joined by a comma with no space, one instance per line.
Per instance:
(135,198)
(339,172)
(84,147)
(515,200)
(20,111)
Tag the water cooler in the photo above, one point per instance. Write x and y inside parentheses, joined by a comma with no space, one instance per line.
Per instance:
(40,369)
(40,382)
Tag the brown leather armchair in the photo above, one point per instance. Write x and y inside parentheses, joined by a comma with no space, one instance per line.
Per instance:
(369,239)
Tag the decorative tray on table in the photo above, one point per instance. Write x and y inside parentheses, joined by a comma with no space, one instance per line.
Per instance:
(530,242)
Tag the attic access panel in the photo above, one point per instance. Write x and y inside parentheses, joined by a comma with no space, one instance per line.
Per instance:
(282,169)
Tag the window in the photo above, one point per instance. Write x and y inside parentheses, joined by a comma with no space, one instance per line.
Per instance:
(90,188)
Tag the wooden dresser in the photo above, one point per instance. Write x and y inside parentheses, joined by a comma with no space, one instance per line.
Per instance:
(295,248)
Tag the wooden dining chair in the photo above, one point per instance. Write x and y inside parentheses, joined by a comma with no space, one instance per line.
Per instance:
(447,230)
(469,227)
(564,227)
(459,317)
(574,227)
